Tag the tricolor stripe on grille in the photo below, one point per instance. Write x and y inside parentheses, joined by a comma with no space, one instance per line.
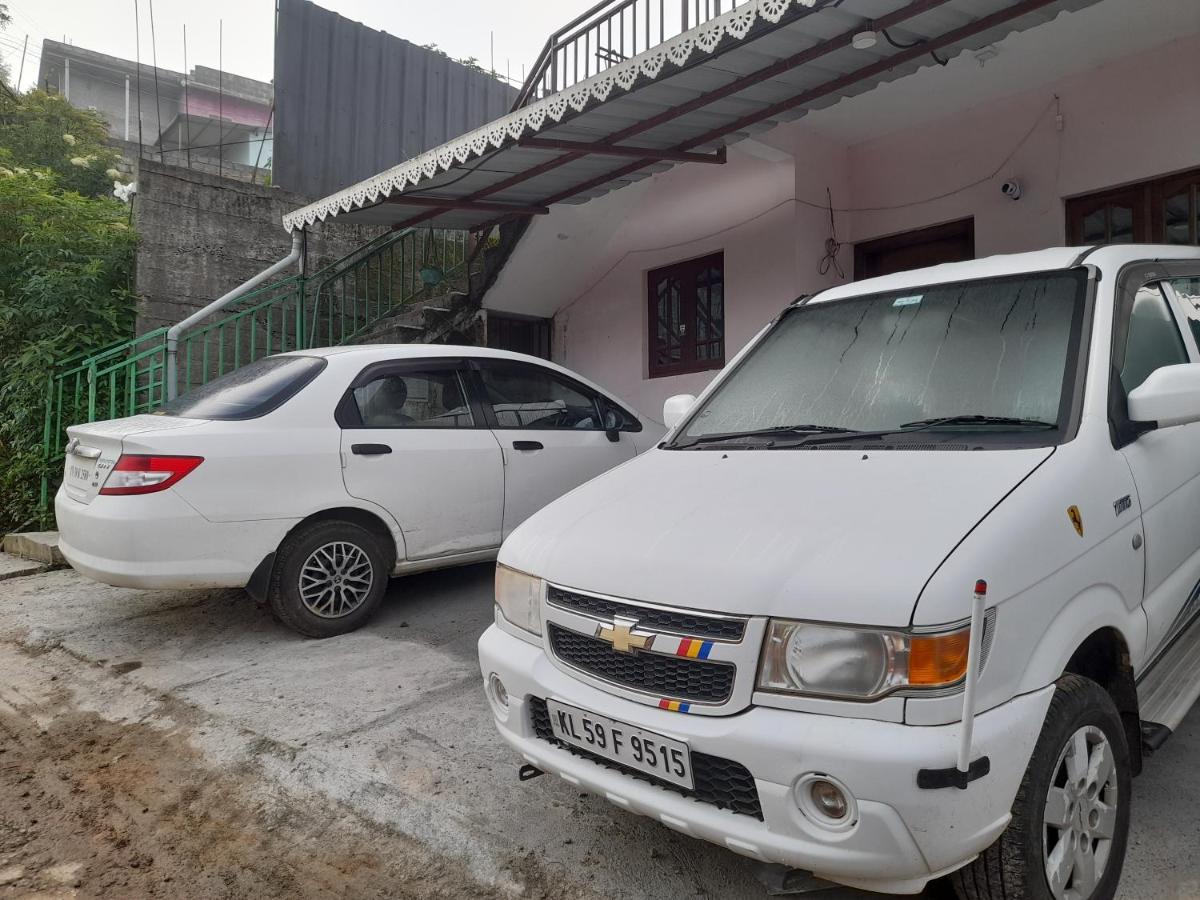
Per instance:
(674,706)
(694,649)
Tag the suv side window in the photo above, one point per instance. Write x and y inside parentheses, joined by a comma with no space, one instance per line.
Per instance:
(1153,339)
(414,399)
(524,396)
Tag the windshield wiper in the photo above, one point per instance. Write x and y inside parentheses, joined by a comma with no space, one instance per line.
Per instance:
(919,425)
(979,420)
(787,431)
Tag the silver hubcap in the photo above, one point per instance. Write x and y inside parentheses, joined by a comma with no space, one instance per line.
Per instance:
(335,580)
(1081,815)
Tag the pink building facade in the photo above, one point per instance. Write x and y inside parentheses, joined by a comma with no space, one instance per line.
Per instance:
(1105,101)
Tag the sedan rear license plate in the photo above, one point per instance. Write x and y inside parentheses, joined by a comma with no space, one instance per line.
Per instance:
(81,473)
(645,751)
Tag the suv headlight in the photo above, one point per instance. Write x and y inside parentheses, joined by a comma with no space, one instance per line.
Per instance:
(519,598)
(860,663)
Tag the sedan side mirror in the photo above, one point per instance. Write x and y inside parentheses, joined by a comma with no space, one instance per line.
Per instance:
(1170,396)
(676,408)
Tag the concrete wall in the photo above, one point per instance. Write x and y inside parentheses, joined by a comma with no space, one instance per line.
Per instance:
(200,236)
(1133,118)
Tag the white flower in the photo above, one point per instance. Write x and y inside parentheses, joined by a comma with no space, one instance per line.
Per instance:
(6,173)
(113,174)
(20,170)
(70,139)
(80,161)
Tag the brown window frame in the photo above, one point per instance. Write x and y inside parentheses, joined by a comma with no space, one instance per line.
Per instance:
(686,271)
(1147,199)
(866,253)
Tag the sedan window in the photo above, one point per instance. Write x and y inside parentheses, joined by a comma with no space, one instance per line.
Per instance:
(249,392)
(531,397)
(414,400)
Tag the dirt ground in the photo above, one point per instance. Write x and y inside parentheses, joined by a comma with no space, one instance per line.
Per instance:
(89,808)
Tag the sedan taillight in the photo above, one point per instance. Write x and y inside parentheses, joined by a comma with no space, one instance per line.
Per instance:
(146,474)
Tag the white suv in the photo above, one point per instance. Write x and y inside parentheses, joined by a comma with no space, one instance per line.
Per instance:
(311,477)
(768,632)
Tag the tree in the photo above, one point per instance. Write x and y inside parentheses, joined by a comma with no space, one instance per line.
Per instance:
(44,131)
(66,269)
(66,266)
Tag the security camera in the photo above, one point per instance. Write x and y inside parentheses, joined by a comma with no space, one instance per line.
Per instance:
(1011,189)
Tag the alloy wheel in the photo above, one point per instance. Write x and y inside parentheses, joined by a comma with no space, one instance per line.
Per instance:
(336,579)
(1080,817)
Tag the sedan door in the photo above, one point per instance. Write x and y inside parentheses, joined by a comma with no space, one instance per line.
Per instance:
(552,432)
(414,442)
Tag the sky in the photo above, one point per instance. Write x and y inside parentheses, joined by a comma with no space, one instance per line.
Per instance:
(462,28)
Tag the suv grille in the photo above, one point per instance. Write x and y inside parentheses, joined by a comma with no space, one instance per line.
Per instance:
(667,676)
(675,621)
(718,781)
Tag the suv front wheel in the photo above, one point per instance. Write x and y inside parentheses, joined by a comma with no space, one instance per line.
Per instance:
(1070,821)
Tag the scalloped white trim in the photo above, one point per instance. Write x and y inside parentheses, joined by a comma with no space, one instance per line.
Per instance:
(529,120)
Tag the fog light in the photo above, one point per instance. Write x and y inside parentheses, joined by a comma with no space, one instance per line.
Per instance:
(829,799)
(826,801)
(498,694)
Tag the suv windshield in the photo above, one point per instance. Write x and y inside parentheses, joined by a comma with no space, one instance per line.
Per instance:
(986,356)
(249,392)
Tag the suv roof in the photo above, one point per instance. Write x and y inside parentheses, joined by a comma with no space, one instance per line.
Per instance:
(1010,264)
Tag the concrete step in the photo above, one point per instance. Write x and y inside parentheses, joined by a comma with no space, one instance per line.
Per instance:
(38,546)
(16,567)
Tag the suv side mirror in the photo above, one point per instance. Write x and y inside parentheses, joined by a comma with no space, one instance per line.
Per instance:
(676,408)
(1169,396)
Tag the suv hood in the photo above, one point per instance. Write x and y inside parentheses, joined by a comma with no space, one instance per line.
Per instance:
(832,535)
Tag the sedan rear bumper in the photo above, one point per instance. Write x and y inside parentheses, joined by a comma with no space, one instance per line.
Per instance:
(160,541)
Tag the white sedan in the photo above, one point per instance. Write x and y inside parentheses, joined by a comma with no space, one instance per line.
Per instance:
(309,477)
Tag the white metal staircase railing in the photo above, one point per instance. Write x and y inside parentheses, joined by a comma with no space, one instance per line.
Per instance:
(609,33)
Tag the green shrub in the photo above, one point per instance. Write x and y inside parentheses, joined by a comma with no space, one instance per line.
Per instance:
(41,130)
(66,265)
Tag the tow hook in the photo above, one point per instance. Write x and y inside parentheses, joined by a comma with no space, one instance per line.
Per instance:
(528,772)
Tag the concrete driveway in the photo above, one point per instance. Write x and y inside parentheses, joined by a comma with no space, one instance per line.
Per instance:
(390,724)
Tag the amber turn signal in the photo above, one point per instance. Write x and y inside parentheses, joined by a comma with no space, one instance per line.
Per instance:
(938,660)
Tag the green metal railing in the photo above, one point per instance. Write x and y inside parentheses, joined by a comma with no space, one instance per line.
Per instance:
(351,298)
(336,305)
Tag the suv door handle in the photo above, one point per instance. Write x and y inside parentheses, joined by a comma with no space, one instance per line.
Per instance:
(370,449)
(528,445)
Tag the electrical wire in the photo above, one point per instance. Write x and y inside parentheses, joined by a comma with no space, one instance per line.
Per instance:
(832,245)
(899,45)
(966,187)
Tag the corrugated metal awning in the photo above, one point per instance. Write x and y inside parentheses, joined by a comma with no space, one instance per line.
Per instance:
(741,73)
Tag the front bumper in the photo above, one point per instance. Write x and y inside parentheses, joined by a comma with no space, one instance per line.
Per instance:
(159,541)
(904,836)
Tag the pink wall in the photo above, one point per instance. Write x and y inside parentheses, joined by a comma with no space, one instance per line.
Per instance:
(1137,117)
(744,208)
(203,103)
(1133,118)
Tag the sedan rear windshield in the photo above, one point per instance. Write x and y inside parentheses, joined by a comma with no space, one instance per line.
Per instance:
(990,356)
(249,392)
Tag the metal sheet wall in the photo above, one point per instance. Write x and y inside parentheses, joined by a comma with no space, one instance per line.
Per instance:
(351,101)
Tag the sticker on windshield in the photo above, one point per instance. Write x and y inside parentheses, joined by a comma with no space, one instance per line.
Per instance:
(908,301)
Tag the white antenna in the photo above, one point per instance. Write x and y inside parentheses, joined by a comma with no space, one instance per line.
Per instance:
(974,649)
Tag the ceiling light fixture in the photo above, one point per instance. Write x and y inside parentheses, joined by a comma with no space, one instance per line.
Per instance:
(864,40)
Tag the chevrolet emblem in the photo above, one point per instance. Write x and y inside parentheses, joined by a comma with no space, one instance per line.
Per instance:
(623,637)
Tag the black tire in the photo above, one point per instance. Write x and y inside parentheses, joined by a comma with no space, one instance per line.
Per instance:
(1014,867)
(284,595)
